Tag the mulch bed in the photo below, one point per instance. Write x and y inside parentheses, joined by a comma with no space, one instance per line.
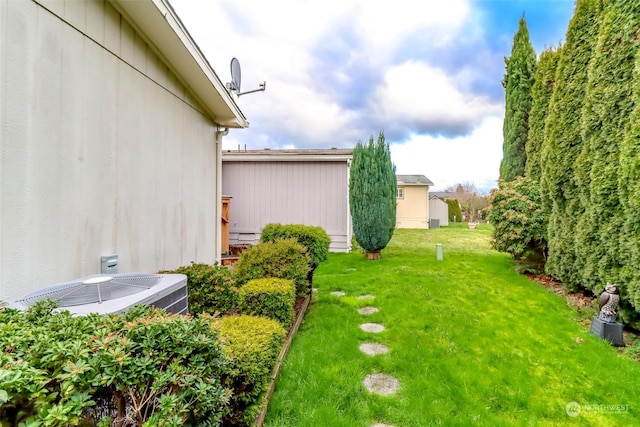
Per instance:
(580,299)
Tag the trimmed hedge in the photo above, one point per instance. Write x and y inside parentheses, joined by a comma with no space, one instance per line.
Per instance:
(315,239)
(272,298)
(283,259)
(211,288)
(251,345)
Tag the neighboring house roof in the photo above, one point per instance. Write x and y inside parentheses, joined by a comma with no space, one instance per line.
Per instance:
(443,194)
(165,33)
(291,155)
(413,180)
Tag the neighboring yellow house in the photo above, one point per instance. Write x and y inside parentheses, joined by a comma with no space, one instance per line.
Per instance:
(413,201)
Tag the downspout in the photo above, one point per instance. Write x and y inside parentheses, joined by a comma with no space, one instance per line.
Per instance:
(218,198)
(349,225)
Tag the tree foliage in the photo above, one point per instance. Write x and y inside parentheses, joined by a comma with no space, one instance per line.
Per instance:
(517,216)
(541,93)
(563,142)
(605,116)
(518,81)
(372,194)
(455,213)
(589,162)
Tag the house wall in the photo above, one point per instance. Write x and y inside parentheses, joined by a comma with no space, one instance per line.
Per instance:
(413,210)
(439,210)
(300,192)
(103,150)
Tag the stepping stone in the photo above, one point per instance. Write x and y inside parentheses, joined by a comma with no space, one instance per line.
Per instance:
(368,310)
(380,425)
(366,297)
(338,294)
(372,327)
(314,290)
(382,384)
(373,349)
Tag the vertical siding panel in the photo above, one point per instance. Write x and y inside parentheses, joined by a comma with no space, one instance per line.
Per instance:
(296,192)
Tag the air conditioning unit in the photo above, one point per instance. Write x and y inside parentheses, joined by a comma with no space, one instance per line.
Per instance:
(116,293)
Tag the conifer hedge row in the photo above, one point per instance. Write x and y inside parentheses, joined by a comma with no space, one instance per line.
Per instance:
(584,150)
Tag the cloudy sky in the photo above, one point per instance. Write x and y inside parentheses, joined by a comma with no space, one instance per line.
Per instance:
(426,73)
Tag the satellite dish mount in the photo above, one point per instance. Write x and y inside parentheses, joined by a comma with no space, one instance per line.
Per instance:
(234,84)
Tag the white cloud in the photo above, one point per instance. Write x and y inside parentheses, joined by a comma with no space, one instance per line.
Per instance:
(473,158)
(419,93)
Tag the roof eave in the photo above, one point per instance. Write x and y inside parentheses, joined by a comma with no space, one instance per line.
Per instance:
(159,24)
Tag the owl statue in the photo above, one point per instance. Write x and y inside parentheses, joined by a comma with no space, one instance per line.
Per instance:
(609,303)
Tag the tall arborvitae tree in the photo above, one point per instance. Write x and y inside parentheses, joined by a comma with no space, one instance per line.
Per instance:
(372,195)
(563,143)
(518,81)
(540,98)
(605,116)
(629,184)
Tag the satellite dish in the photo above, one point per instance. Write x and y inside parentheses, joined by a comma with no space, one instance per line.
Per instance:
(235,75)
(234,84)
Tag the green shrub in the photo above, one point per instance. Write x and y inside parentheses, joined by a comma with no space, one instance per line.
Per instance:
(152,367)
(315,239)
(517,216)
(272,298)
(211,288)
(251,346)
(455,213)
(283,259)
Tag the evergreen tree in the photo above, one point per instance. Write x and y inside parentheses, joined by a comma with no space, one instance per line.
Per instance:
(629,185)
(541,92)
(518,81)
(560,188)
(372,194)
(605,116)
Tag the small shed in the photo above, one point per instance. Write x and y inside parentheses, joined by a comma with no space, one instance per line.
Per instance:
(438,212)
(297,186)
(413,201)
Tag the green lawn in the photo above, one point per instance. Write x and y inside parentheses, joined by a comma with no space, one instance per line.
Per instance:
(471,341)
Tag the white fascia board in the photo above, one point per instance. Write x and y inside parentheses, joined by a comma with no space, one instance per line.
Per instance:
(285,158)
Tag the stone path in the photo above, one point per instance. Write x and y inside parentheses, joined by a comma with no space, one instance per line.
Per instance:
(378,383)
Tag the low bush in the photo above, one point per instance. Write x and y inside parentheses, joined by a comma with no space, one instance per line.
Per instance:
(283,259)
(211,288)
(272,298)
(516,213)
(251,346)
(315,239)
(147,368)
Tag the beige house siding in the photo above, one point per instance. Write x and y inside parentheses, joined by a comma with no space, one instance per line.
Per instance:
(103,149)
(413,209)
(288,192)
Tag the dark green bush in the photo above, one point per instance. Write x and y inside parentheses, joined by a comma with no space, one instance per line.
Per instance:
(211,288)
(283,259)
(149,366)
(251,345)
(272,298)
(315,239)
(455,213)
(517,216)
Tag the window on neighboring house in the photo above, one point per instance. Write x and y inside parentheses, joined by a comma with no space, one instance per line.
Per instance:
(400,194)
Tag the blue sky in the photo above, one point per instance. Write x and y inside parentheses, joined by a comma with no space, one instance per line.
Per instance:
(428,74)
